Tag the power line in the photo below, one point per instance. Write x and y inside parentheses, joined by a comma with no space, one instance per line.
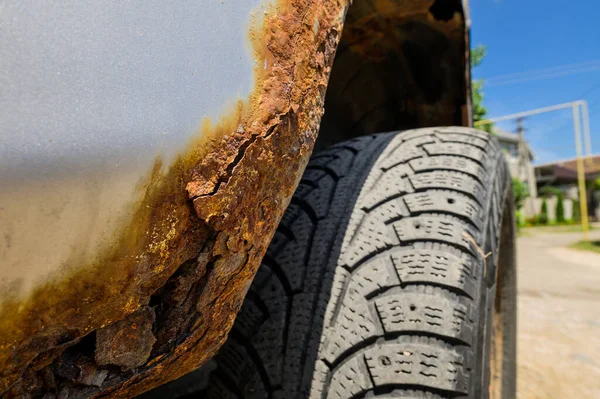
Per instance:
(559,68)
(577,106)
(526,113)
(564,125)
(592,107)
(542,76)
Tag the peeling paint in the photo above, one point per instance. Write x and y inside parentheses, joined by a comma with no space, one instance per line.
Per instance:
(213,211)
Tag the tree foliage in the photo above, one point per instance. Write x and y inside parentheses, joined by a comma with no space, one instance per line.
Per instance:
(560,208)
(543,218)
(479,111)
(520,192)
(576,212)
(549,191)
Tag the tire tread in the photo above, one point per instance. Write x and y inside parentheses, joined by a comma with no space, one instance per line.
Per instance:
(402,315)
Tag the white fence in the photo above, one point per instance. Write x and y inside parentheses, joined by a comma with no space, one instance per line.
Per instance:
(533,207)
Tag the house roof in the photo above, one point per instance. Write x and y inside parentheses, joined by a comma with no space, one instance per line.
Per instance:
(567,168)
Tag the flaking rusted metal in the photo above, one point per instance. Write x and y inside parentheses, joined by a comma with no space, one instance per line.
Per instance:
(165,294)
(209,217)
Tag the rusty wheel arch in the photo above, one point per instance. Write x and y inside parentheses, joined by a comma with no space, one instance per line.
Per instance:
(159,301)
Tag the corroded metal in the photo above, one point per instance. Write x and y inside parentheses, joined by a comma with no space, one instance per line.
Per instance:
(184,261)
(160,300)
(400,65)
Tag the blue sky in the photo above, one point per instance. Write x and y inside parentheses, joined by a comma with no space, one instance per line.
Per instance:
(526,36)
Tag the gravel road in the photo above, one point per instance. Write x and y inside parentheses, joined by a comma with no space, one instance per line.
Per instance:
(559,318)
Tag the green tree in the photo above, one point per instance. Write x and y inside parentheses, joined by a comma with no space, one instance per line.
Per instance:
(520,192)
(543,219)
(560,208)
(549,191)
(479,111)
(576,211)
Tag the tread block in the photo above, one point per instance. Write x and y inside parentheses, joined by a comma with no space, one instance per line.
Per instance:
(450,180)
(314,175)
(353,321)
(304,188)
(357,144)
(350,379)
(319,199)
(467,151)
(279,241)
(416,133)
(440,267)
(391,184)
(409,394)
(372,276)
(436,228)
(354,324)
(427,365)
(250,318)
(372,235)
(467,131)
(269,346)
(445,201)
(338,289)
(447,162)
(419,140)
(391,147)
(403,154)
(219,389)
(428,310)
(319,379)
(342,162)
(461,138)
(294,250)
(300,318)
(235,362)
(254,385)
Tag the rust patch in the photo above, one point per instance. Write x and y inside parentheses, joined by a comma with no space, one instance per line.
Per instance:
(375,34)
(198,234)
(128,342)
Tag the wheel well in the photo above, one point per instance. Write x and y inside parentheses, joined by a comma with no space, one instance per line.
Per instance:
(399,65)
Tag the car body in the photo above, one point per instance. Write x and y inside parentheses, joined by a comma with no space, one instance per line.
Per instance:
(137,136)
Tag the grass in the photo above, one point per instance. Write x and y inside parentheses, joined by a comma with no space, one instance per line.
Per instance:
(569,228)
(593,246)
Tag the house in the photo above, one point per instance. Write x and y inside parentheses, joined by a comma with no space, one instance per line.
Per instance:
(563,174)
(519,157)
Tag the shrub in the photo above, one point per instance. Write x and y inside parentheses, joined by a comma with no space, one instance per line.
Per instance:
(560,208)
(519,218)
(530,222)
(543,217)
(549,191)
(520,192)
(576,212)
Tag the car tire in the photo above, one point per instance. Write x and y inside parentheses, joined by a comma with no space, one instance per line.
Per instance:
(392,274)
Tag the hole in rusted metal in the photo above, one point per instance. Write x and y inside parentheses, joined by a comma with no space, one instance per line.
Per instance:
(444,9)
(396,68)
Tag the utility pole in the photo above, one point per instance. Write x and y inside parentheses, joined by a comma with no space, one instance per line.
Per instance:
(521,148)
(581,176)
(525,172)
(575,105)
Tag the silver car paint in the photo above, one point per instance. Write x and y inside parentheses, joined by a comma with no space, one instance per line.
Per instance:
(90,94)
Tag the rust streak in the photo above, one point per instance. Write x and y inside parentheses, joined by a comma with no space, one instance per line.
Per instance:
(197,235)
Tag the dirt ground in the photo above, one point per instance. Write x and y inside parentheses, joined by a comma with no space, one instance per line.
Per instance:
(559,318)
